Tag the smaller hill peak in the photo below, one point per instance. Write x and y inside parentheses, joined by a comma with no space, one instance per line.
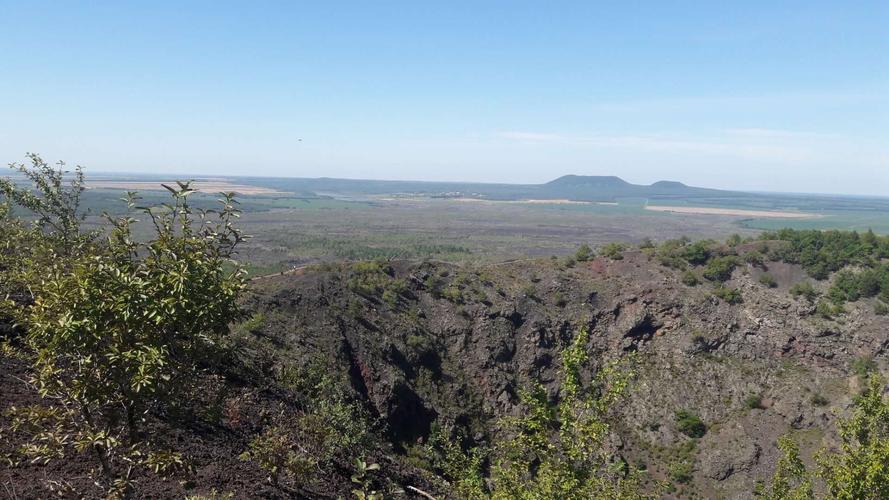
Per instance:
(669,184)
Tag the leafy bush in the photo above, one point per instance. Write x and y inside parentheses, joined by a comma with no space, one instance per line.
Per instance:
(819,400)
(275,451)
(302,445)
(613,251)
(390,297)
(730,295)
(768,280)
(584,253)
(844,288)
(453,294)
(864,366)
(754,402)
(556,450)
(790,480)
(697,253)
(690,424)
(681,471)
(370,278)
(118,326)
(857,469)
(690,278)
(733,240)
(828,310)
(362,479)
(850,286)
(720,268)
(804,289)
(754,258)
(670,254)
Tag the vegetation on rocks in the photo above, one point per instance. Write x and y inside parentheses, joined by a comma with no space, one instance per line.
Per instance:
(557,449)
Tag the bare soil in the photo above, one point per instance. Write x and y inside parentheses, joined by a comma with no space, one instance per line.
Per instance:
(730,211)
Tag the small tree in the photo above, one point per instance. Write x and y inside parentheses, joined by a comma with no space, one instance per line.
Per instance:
(558,450)
(54,201)
(791,481)
(861,467)
(117,327)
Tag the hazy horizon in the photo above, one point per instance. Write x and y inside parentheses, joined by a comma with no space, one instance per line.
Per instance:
(753,97)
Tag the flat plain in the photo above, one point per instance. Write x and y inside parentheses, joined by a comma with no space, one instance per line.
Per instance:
(295,222)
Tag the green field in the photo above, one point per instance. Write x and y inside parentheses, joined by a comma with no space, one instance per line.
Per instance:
(857,221)
(296,229)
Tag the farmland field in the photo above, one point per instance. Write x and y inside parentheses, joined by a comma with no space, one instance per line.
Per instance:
(294,223)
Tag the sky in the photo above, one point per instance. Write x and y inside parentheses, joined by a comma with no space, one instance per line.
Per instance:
(765,96)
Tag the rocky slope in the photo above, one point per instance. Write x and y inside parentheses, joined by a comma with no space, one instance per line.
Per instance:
(426,345)
(455,346)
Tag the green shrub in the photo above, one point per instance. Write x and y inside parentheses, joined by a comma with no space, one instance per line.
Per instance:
(681,472)
(733,240)
(613,251)
(584,253)
(302,445)
(529,291)
(804,289)
(697,253)
(670,254)
(844,288)
(768,280)
(276,452)
(864,366)
(730,295)
(433,284)
(355,310)
(254,323)
(828,310)
(453,294)
(390,298)
(754,402)
(819,400)
(857,469)
(754,258)
(690,424)
(690,278)
(881,308)
(720,268)
(419,343)
(122,325)
(370,278)
(790,481)
(556,450)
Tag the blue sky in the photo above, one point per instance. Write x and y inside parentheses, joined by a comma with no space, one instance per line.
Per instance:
(780,96)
